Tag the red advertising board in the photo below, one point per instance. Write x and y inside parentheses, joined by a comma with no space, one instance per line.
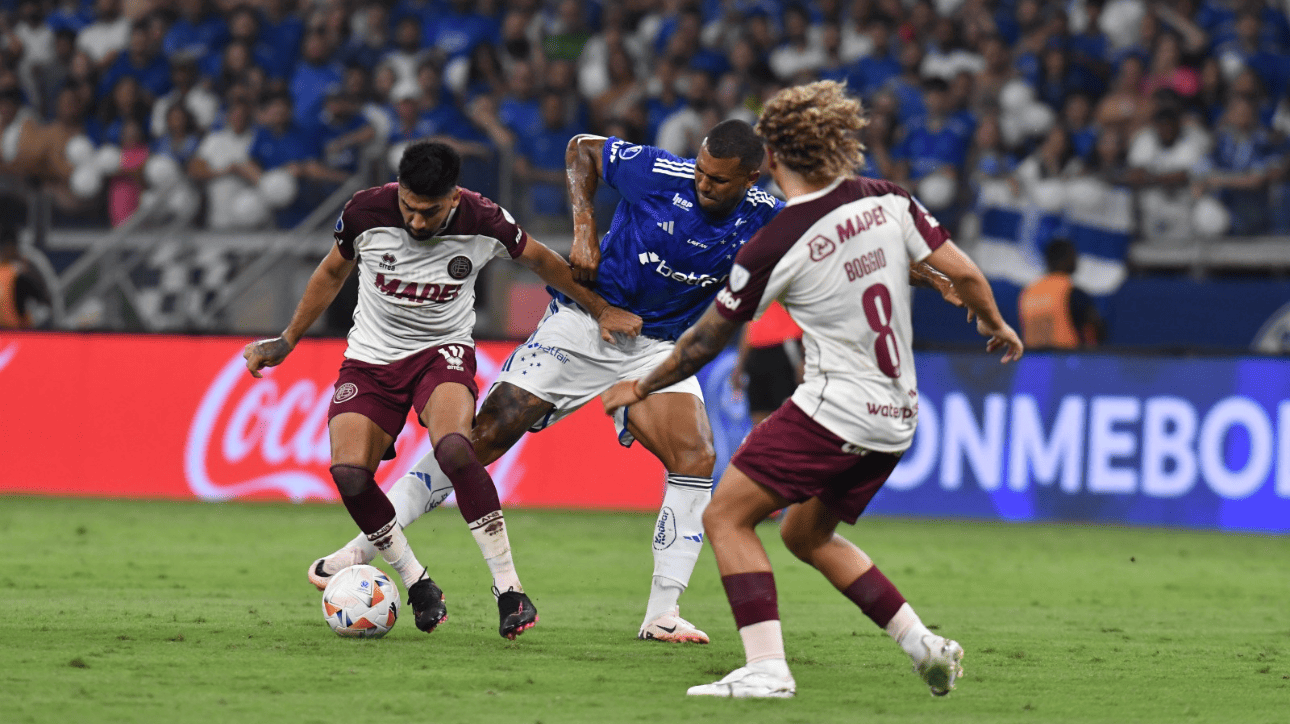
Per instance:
(179,417)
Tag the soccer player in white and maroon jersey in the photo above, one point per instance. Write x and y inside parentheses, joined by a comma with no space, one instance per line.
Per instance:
(837,258)
(419,245)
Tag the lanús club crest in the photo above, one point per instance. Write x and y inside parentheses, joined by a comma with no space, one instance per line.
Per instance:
(460,267)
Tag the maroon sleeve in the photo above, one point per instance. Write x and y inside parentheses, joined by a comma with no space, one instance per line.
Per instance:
(926,225)
(739,299)
(367,209)
(480,215)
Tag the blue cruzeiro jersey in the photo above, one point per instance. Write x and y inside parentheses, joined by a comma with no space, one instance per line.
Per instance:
(664,259)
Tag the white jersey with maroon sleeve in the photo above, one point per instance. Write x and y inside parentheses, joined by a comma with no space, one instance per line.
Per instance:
(838,260)
(416,294)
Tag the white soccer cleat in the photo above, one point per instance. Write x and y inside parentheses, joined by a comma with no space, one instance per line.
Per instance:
(744,683)
(940,668)
(670,627)
(321,570)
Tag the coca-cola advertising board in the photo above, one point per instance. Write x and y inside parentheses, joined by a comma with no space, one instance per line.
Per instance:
(153,416)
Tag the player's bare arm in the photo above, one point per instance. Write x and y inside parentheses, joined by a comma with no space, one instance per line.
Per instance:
(976,294)
(323,286)
(922,274)
(556,272)
(699,345)
(582,161)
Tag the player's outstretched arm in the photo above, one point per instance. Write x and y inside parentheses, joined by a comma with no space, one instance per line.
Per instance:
(556,272)
(975,291)
(583,168)
(699,345)
(323,286)
(922,274)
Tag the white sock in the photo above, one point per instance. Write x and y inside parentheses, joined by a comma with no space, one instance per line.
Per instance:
(394,548)
(908,631)
(490,534)
(764,644)
(423,489)
(678,538)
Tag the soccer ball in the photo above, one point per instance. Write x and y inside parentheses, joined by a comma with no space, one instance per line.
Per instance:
(360,602)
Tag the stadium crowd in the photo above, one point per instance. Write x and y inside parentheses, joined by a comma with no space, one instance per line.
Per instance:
(247,113)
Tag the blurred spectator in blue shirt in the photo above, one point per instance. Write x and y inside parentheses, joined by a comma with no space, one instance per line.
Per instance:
(519,109)
(142,62)
(279,141)
(872,72)
(1240,163)
(344,132)
(908,86)
(314,75)
(456,30)
(197,31)
(934,141)
(280,35)
(540,163)
(1077,116)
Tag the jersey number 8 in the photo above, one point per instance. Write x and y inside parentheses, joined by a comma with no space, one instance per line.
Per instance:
(877,310)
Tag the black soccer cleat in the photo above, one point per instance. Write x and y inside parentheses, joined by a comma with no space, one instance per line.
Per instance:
(517,614)
(426,601)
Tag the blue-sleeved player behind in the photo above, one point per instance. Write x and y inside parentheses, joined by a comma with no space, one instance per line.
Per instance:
(668,251)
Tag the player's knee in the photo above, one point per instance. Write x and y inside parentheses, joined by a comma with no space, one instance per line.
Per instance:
(800,542)
(454,452)
(695,457)
(715,520)
(351,479)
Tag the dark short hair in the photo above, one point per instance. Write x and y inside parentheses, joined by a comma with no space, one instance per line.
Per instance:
(734,137)
(1060,255)
(429,169)
(931,85)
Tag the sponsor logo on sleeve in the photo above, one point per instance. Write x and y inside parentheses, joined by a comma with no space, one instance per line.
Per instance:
(629,153)
(340,223)
(738,277)
(728,300)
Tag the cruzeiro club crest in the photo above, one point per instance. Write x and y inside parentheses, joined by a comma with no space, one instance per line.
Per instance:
(460,267)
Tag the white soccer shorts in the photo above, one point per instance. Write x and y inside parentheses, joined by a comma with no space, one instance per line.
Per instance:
(566,363)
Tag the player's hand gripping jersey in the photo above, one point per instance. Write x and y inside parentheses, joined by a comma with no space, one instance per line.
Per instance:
(838,260)
(415,294)
(663,258)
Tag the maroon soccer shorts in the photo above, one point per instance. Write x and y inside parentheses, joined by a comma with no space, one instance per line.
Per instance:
(798,459)
(384,393)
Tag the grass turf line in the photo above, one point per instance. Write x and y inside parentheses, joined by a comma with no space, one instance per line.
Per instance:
(178,612)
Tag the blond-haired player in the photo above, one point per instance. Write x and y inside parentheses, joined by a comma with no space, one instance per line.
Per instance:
(837,257)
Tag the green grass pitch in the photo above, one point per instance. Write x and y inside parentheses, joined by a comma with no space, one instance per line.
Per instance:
(181,612)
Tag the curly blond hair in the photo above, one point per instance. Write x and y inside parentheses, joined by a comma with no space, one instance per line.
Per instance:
(815,130)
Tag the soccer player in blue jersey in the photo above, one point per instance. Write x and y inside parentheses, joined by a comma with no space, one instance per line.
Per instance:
(668,250)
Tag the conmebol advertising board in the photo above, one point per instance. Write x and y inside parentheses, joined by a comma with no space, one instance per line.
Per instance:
(1202,443)
(1143,440)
